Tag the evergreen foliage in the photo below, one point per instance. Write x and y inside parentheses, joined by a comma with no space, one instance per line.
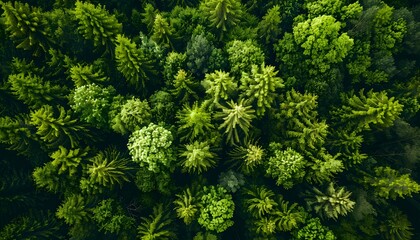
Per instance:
(194,122)
(73,210)
(156,226)
(132,115)
(87,74)
(95,23)
(110,217)
(248,157)
(197,157)
(186,206)
(242,55)
(222,14)
(219,85)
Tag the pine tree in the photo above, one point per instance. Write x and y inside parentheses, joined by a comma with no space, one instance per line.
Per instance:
(194,122)
(269,27)
(87,74)
(186,206)
(331,204)
(259,201)
(248,156)
(27,26)
(15,132)
(289,216)
(96,23)
(162,31)
(132,62)
(260,86)
(34,91)
(58,130)
(74,210)
(222,14)
(236,116)
(219,85)
(365,111)
(197,157)
(184,87)
(68,161)
(389,183)
(156,226)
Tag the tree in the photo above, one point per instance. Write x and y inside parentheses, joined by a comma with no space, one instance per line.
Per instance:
(198,52)
(238,114)
(194,122)
(92,102)
(288,217)
(184,86)
(132,62)
(34,91)
(73,210)
(68,161)
(242,55)
(269,27)
(108,168)
(173,63)
(186,206)
(87,74)
(156,226)
(58,130)
(286,167)
(259,201)
(162,31)
(96,24)
(396,226)
(248,156)
(231,181)
(219,85)
(336,8)
(314,230)
(222,14)
(151,148)
(27,26)
(197,157)
(110,217)
(331,204)
(373,109)
(389,183)
(216,209)
(133,115)
(260,86)
(15,133)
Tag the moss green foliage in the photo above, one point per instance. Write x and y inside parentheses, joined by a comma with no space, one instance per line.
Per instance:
(92,102)
(197,157)
(332,203)
(186,206)
(287,167)
(237,120)
(151,147)
(95,23)
(219,85)
(211,119)
(27,26)
(33,90)
(216,210)
(194,122)
(156,226)
(131,62)
(389,183)
(260,86)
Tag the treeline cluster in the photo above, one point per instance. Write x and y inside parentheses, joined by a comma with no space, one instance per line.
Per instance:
(211,119)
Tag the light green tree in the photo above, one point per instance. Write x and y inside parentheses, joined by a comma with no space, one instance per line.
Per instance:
(260,86)
(87,74)
(331,204)
(186,206)
(259,201)
(110,217)
(197,157)
(184,86)
(216,209)
(248,156)
(73,210)
(313,229)
(162,31)
(236,116)
(388,183)
(287,167)
(242,55)
(222,14)
(219,85)
(96,23)
(132,62)
(194,122)
(151,147)
(156,226)
(132,115)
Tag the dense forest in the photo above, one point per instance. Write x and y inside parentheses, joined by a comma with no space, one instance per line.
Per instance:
(210,119)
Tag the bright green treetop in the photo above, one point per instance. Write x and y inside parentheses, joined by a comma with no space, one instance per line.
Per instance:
(216,209)
(197,157)
(194,122)
(219,85)
(151,147)
(222,14)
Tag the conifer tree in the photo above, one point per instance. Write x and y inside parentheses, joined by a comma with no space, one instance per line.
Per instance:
(194,122)
(34,91)
(87,74)
(197,157)
(186,206)
(222,14)
(242,55)
(73,210)
(368,110)
(269,27)
(184,86)
(15,133)
(110,218)
(260,86)
(162,31)
(236,116)
(389,183)
(58,130)
(331,204)
(27,26)
(259,201)
(219,85)
(132,62)
(68,161)
(156,226)
(96,23)
(248,156)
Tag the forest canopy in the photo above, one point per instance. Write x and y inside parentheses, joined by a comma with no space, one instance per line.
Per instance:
(210,119)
